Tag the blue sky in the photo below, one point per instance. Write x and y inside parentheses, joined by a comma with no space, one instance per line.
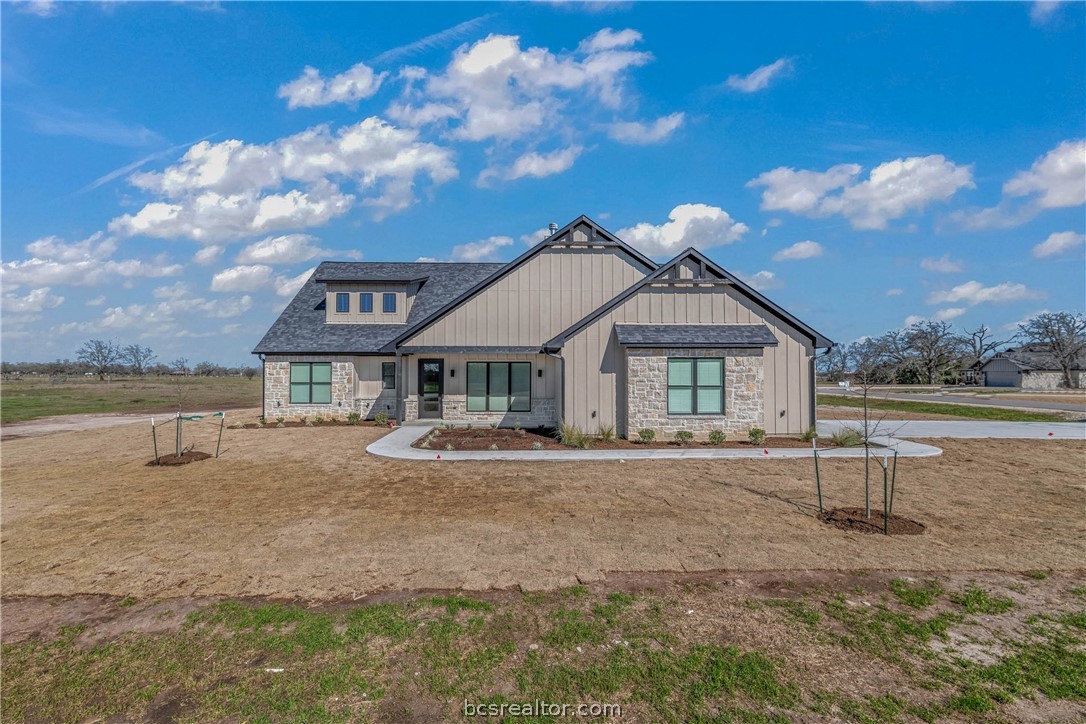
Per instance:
(171,172)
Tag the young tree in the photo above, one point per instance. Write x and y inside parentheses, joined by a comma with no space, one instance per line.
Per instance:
(1063,333)
(138,358)
(250,372)
(867,360)
(99,355)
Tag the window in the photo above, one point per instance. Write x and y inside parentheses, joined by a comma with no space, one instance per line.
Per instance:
(388,375)
(695,386)
(343,302)
(310,383)
(365,303)
(499,386)
(389,302)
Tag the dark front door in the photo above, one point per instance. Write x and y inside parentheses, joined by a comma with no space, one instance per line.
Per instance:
(431,387)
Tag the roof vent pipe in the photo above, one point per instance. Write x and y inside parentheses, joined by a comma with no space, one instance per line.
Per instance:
(552,228)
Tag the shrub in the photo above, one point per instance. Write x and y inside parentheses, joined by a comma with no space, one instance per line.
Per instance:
(683,436)
(572,436)
(279,421)
(646,436)
(847,437)
(262,420)
(494,446)
(318,419)
(516,425)
(756,436)
(607,433)
(309,423)
(811,434)
(493,426)
(425,442)
(449,446)
(353,418)
(537,446)
(302,419)
(717,437)
(381,418)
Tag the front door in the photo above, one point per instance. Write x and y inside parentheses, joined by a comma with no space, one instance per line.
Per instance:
(431,387)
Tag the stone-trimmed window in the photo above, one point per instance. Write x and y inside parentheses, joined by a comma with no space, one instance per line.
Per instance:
(389,302)
(365,302)
(499,386)
(695,386)
(343,302)
(310,383)
(388,375)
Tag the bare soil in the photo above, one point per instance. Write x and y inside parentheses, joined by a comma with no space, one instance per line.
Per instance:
(462,438)
(308,514)
(856,519)
(273,425)
(189,456)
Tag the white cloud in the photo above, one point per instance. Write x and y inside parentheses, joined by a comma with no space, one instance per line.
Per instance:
(1058,243)
(762,281)
(177,290)
(208,255)
(289,286)
(493,89)
(913,319)
(431,41)
(97,301)
(163,318)
(310,90)
(894,292)
(1042,12)
(761,77)
(83,263)
(973,292)
(216,190)
(945,315)
(942,265)
(288,249)
(799,250)
(891,190)
(697,225)
(540,165)
(242,278)
(41,8)
(483,250)
(1056,180)
(535,237)
(38,300)
(632,132)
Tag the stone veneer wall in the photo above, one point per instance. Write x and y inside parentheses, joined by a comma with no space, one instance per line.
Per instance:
(454,408)
(277,388)
(1049,380)
(646,371)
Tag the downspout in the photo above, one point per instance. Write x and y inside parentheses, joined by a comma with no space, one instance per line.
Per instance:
(263,386)
(399,383)
(561,379)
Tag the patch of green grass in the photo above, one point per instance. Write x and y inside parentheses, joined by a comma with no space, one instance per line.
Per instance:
(977,600)
(455,604)
(572,627)
(1036,575)
(1079,591)
(577,591)
(975,412)
(127,602)
(798,610)
(918,595)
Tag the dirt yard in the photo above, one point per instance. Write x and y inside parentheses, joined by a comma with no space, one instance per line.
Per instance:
(305,513)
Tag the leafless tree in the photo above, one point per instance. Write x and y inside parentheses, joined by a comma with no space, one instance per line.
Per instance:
(833,364)
(249,372)
(99,355)
(181,364)
(978,344)
(867,360)
(138,358)
(928,348)
(1063,333)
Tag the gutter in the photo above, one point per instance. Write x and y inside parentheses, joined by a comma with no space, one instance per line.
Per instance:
(561,377)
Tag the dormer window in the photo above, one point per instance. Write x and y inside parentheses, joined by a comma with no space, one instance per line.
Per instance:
(389,303)
(365,303)
(343,303)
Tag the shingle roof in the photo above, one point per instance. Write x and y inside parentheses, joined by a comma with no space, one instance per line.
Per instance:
(301,328)
(1037,357)
(695,335)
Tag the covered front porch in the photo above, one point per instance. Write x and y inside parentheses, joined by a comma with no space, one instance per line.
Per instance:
(489,385)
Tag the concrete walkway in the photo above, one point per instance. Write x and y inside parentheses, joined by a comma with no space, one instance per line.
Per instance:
(967,429)
(397,444)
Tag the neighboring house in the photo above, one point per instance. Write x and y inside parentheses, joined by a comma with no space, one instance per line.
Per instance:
(1030,367)
(582,329)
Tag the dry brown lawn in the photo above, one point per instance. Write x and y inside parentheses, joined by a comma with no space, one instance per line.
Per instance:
(307,513)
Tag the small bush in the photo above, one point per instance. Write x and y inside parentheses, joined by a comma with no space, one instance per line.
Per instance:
(449,446)
(756,436)
(279,421)
(646,436)
(318,419)
(309,423)
(493,426)
(381,418)
(607,434)
(302,419)
(811,434)
(262,420)
(537,446)
(684,436)
(494,446)
(426,442)
(353,418)
(717,437)
(847,437)
(516,425)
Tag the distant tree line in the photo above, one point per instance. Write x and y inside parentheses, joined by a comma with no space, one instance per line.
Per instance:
(935,353)
(104,357)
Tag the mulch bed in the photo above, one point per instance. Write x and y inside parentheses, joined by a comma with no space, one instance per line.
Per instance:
(856,520)
(463,438)
(273,425)
(189,456)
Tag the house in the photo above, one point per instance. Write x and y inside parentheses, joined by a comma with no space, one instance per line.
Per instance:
(582,328)
(1030,367)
